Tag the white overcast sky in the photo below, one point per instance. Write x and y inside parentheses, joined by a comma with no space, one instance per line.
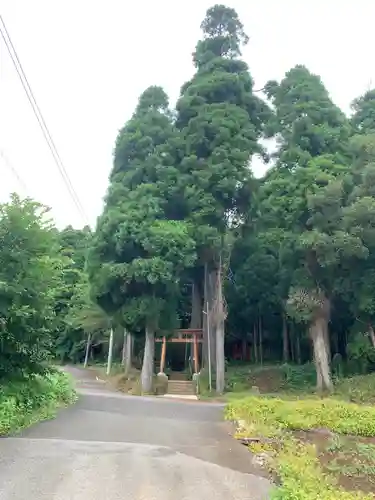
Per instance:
(88,61)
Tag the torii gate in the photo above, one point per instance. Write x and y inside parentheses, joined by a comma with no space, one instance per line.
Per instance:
(183,336)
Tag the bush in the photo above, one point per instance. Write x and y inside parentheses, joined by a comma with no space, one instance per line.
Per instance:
(298,377)
(338,416)
(27,401)
(359,389)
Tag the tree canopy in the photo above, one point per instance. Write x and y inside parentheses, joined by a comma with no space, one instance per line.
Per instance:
(282,264)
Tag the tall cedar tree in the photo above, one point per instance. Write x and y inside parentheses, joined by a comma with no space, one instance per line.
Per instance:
(359,282)
(305,195)
(221,121)
(138,254)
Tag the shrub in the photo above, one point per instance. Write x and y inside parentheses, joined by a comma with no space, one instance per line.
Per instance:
(26,401)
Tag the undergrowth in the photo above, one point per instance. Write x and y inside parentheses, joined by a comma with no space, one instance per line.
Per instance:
(27,401)
(295,463)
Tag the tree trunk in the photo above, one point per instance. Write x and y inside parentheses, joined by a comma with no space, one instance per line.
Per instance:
(87,353)
(196,307)
(123,354)
(205,319)
(110,352)
(292,343)
(318,329)
(244,349)
(196,312)
(128,353)
(372,335)
(219,336)
(213,312)
(298,346)
(220,357)
(255,343)
(285,340)
(148,361)
(260,340)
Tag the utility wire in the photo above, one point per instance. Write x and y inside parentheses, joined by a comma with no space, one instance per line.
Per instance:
(38,115)
(14,171)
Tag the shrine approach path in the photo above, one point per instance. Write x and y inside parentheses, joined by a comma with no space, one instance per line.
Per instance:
(112,446)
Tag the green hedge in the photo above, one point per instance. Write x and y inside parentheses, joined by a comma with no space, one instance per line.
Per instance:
(25,402)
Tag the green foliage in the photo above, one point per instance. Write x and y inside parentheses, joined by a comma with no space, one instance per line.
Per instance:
(302,477)
(71,294)
(294,461)
(363,119)
(221,121)
(298,378)
(138,253)
(29,278)
(359,389)
(36,398)
(223,35)
(338,416)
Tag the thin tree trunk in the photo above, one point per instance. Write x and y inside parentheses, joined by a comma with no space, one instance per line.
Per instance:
(110,352)
(148,361)
(220,358)
(321,352)
(196,307)
(220,335)
(128,353)
(196,313)
(285,340)
(255,343)
(213,291)
(298,347)
(244,349)
(292,343)
(87,353)
(123,355)
(260,340)
(372,335)
(205,319)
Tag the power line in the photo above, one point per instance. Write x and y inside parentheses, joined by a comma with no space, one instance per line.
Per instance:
(14,171)
(38,115)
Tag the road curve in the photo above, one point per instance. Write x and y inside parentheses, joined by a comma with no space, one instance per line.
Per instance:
(109,447)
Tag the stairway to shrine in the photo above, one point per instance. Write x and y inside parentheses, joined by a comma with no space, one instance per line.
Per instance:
(180,385)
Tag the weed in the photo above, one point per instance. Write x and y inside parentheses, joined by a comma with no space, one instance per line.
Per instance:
(27,401)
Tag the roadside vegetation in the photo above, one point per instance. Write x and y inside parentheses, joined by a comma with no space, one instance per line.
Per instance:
(314,446)
(35,398)
(30,275)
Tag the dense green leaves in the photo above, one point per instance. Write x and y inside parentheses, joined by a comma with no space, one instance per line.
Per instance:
(29,278)
(138,252)
(183,212)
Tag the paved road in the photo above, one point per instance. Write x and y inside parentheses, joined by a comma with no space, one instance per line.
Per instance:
(109,446)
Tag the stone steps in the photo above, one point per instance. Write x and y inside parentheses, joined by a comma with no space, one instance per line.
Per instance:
(181,387)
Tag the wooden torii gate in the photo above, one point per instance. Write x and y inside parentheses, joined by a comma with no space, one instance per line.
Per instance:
(183,336)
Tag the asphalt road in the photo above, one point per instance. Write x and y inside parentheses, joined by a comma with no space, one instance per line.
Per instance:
(109,446)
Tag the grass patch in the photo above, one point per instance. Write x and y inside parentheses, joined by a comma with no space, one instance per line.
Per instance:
(316,449)
(360,389)
(289,382)
(129,384)
(25,402)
